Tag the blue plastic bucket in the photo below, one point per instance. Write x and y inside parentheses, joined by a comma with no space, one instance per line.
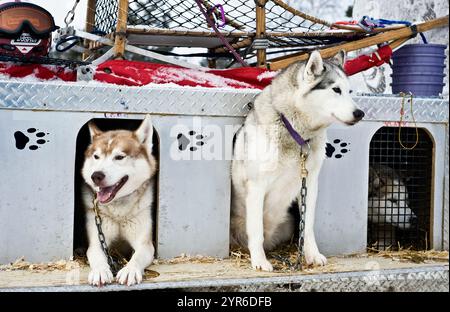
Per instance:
(405,78)
(419,69)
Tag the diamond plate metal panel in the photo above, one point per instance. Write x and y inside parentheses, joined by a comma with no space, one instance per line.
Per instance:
(420,281)
(425,279)
(110,98)
(406,280)
(400,280)
(185,101)
(387,108)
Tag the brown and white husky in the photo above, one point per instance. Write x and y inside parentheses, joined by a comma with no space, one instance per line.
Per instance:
(119,169)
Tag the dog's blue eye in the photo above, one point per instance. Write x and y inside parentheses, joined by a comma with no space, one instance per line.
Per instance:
(337,90)
(96,157)
(119,157)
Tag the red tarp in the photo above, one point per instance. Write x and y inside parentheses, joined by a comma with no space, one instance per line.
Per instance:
(44,72)
(133,73)
(363,62)
(138,74)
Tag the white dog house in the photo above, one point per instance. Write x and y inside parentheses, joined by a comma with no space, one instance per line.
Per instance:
(40,123)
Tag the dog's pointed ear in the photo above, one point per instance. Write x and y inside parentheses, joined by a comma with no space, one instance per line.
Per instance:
(376,182)
(94,130)
(145,132)
(379,182)
(339,59)
(314,66)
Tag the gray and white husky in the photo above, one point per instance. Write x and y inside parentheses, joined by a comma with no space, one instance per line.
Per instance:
(388,202)
(119,168)
(266,164)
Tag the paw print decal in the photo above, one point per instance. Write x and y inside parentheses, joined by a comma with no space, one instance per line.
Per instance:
(191,141)
(37,138)
(341,147)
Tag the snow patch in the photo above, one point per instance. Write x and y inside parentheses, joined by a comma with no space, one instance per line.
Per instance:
(267,75)
(163,75)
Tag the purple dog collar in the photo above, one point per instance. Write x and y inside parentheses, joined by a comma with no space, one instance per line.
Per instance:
(294,134)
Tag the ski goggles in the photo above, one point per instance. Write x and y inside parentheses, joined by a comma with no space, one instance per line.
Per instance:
(25,46)
(19,17)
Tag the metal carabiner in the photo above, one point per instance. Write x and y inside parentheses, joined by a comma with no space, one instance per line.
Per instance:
(307,152)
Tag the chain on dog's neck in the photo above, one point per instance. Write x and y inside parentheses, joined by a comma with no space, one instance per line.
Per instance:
(101,237)
(114,265)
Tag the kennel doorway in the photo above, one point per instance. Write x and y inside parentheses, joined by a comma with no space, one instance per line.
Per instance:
(400,189)
(80,242)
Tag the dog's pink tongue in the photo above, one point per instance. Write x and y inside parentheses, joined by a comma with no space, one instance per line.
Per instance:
(104,194)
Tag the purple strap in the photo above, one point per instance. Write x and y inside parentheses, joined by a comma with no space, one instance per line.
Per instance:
(219,34)
(222,15)
(294,134)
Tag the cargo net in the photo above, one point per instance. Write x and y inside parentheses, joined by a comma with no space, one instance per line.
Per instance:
(284,26)
(105,16)
(400,184)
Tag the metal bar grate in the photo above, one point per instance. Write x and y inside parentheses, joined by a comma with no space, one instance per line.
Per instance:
(400,187)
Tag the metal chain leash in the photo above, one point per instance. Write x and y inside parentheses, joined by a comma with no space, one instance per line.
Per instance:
(71,14)
(302,212)
(101,237)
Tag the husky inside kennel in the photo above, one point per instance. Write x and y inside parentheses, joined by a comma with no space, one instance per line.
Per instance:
(80,243)
(400,189)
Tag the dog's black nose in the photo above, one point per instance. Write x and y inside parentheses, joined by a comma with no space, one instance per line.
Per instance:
(358,114)
(97,177)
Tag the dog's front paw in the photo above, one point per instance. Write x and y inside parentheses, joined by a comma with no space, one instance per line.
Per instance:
(100,276)
(315,258)
(129,275)
(261,263)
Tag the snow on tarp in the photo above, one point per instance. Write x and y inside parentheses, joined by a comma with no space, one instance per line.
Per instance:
(36,72)
(131,73)
(139,74)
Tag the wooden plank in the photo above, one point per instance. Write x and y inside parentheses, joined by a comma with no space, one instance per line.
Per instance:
(90,23)
(220,270)
(121,29)
(316,20)
(396,43)
(362,43)
(261,31)
(185,32)
(235,34)
(175,41)
(241,44)
(212,62)
(90,15)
